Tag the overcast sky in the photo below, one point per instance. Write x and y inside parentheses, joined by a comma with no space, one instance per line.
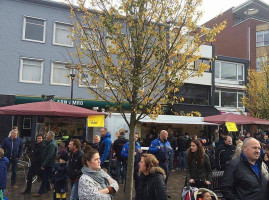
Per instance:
(213,8)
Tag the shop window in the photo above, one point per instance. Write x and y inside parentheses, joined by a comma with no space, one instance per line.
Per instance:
(26,123)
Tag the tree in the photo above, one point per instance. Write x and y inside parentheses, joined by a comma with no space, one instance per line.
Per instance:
(142,50)
(256,100)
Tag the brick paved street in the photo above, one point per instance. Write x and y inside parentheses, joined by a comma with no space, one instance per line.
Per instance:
(175,184)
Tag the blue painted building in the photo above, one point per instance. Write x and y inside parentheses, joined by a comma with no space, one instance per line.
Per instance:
(34,50)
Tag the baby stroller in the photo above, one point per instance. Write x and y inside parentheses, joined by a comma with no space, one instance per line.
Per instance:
(198,194)
(189,190)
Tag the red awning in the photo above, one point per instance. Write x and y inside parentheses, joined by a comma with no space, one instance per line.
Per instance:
(238,119)
(48,108)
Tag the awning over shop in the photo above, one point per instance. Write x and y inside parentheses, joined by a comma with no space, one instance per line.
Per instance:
(238,119)
(48,108)
(188,108)
(172,119)
(85,103)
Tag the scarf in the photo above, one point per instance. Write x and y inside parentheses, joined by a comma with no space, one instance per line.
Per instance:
(96,175)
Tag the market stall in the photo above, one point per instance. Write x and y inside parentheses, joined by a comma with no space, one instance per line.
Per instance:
(40,117)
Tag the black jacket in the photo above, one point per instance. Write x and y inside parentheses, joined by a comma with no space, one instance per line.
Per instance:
(173,141)
(117,147)
(240,182)
(196,171)
(152,186)
(60,178)
(35,156)
(182,144)
(74,166)
(223,154)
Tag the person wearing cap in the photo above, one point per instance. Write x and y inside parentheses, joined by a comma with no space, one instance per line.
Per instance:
(121,161)
(60,178)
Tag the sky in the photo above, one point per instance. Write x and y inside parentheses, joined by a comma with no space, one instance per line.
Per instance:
(212,8)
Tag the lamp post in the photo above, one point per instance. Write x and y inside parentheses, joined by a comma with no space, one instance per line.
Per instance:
(72,76)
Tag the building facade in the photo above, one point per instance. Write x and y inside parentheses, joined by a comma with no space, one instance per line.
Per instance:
(238,39)
(35,52)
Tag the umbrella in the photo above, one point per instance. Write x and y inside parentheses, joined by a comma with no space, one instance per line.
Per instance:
(238,119)
(48,108)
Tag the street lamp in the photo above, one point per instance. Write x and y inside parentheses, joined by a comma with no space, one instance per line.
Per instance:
(72,76)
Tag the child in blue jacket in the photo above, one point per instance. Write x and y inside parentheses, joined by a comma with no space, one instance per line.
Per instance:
(3,172)
(60,178)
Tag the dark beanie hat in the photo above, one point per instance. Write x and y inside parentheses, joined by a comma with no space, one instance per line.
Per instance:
(64,156)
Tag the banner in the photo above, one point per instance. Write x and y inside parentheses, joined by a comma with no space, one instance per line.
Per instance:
(96,121)
(231,126)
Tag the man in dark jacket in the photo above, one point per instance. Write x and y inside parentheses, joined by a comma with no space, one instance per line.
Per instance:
(48,157)
(246,177)
(224,153)
(13,148)
(74,166)
(35,163)
(121,162)
(104,148)
(173,142)
(182,145)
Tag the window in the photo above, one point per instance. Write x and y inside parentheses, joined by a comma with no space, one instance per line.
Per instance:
(228,99)
(34,29)
(110,43)
(91,39)
(86,80)
(31,70)
(62,34)
(261,61)
(194,94)
(239,98)
(205,61)
(229,71)
(217,98)
(262,38)
(60,74)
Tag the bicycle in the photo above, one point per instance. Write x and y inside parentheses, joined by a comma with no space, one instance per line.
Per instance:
(24,162)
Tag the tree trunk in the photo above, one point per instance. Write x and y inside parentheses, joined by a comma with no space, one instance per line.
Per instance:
(130,164)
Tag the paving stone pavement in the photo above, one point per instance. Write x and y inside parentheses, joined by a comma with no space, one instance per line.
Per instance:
(175,185)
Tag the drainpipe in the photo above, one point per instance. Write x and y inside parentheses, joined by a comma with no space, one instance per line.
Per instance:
(212,99)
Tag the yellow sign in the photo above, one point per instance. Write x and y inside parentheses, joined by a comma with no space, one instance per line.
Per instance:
(231,126)
(96,121)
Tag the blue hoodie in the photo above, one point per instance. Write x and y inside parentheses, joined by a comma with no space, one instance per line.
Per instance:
(3,173)
(105,147)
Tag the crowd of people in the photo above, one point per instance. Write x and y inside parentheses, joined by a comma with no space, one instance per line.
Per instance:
(87,167)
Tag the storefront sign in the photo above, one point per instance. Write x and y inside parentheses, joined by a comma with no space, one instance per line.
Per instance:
(231,126)
(96,121)
(75,102)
